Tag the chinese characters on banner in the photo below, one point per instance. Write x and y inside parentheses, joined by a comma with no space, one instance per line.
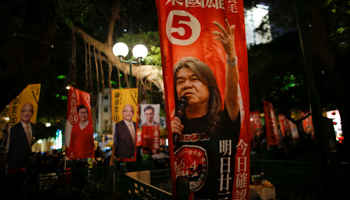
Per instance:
(185,29)
(124,115)
(150,138)
(271,126)
(79,129)
(30,95)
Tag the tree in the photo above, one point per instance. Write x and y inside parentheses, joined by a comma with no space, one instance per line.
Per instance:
(326,29)
(102,51)
(24,56)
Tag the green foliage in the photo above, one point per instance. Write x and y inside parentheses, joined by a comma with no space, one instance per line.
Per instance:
(339,12)
(276,74)
(150,39)
(72,12)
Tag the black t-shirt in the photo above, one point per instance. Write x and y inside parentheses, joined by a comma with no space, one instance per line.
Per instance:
(208,159)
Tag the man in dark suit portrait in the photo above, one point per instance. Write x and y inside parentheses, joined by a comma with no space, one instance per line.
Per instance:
(125,134)
(20,146)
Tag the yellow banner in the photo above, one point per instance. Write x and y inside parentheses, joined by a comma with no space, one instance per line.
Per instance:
(29,95)
(120,98)
(4,117)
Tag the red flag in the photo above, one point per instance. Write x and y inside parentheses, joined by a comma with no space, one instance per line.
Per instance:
(79,129)
(150,138)
(256,127)
(271,127)
(285,125)
(185,29)
(308,125)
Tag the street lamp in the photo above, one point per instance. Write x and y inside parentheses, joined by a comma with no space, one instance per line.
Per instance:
(139,51)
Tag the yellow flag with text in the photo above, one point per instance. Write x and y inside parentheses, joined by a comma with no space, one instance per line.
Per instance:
(125,106)
(31,95)
(120,98)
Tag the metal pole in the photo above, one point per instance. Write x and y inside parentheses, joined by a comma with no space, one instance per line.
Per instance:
(323,137)
(130,65)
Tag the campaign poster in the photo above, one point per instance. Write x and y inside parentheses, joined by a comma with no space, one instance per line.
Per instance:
(285,125)
(30,95)
(150,114)
(4,116)
(125,121)
(270,123)
(23,108)
(150,138)
(334,115)
(256,129)
(79,136)
(205,74)
(4,129)
(150,127)
(308,125)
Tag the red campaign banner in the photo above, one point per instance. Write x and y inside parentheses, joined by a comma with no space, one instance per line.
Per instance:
(255,125)
(308,125)
(285,125)
(150,138)
(270,123)
(79,129)
(214,162)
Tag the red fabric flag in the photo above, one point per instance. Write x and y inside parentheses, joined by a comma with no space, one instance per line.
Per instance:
(308,125)
(256,127)
(285,125)
(150,138)
(185,29)
(270,122)
(79,129)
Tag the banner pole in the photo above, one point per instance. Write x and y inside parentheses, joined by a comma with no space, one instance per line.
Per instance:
(112,156)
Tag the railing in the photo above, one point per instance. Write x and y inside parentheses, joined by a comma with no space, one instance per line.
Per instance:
(99,182)
(135,189)
(292,179)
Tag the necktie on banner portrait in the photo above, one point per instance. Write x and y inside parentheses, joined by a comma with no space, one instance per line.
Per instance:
(79,139)
(29,95)
(124,104)
(185,29)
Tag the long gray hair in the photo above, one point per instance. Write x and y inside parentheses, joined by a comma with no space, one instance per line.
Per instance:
(206,76)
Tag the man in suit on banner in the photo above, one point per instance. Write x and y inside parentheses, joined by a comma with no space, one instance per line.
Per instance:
(20,147)
(125,134)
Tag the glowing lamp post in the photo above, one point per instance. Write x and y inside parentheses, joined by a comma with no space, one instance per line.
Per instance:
(139,52)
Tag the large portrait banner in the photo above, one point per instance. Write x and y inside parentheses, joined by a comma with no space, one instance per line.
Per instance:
(23,115)
(150,127)
(205,72)
(125,120)
(79,135)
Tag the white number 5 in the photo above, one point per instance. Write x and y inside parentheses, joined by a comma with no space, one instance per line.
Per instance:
(182,28)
